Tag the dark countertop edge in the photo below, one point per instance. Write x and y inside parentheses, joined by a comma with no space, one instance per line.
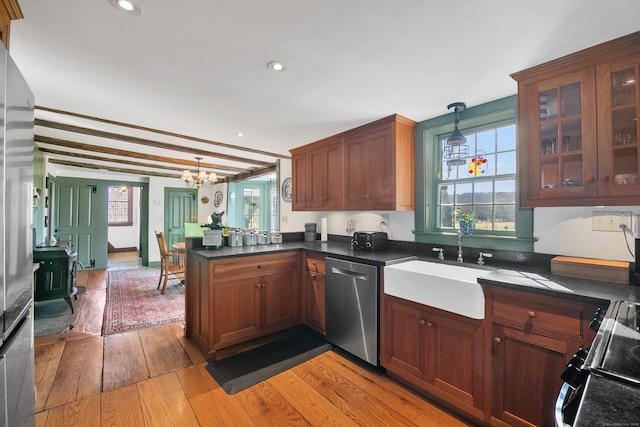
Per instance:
(565,287)
(596,298)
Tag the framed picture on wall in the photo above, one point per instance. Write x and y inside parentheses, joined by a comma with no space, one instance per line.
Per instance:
(286,190)
(217,199)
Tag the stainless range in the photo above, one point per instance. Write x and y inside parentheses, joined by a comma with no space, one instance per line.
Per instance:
(602,384)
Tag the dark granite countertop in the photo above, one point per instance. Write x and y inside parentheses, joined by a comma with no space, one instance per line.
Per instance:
(520,271)
(335,249)
(606,402)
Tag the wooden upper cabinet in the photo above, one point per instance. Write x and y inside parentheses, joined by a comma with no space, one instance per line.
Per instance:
(325,176)
(299,180)
(9,10)
(578,127)
(367,168)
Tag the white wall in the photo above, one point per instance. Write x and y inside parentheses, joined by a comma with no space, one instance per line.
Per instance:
(568,231)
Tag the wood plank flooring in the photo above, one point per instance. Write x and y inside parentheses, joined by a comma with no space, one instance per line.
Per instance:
(155,377)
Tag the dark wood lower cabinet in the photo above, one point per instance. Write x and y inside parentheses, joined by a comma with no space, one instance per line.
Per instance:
(526,375)
(439,352)
(230,301)
(533,337)
(314,285)
(501,371)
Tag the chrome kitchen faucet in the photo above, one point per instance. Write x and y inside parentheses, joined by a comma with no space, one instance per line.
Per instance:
(459,246)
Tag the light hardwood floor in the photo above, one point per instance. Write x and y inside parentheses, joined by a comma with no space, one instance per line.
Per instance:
(155,377)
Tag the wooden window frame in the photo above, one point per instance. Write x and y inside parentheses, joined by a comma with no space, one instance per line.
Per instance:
(129,221)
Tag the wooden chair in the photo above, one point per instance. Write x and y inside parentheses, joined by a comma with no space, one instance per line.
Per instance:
(166,266)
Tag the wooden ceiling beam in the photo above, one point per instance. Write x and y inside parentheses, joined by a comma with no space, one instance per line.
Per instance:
(161,132)
(147,142)
(134,154)
(119,161)
(252,174)
(112,169)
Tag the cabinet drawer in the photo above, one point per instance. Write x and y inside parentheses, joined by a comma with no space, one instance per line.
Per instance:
(253,266)
(315,265)
(560,318)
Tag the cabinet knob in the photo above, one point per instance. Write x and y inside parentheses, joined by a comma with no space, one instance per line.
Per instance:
(590,179)
(314,276)
(604,178)
(258,285)
(531,314)
(260,265)
(429,324)
(423,322)
(497,340)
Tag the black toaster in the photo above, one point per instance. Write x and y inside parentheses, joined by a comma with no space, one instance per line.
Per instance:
(371,240)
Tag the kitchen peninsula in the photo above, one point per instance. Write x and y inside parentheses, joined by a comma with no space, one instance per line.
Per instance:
(239,294)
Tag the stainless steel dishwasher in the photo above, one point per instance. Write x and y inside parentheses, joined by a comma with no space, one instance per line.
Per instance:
(351,310)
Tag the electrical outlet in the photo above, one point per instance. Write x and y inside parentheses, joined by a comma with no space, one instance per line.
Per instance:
(610,221)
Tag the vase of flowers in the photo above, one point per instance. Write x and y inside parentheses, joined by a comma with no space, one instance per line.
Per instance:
(467,220)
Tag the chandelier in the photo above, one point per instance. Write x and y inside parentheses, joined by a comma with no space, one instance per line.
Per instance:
(202,179)
(456,149)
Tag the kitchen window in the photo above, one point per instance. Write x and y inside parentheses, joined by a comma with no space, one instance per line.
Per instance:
(119,202)
(485,183)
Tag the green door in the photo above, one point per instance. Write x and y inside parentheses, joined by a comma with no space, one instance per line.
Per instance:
(80,219)
(181,206)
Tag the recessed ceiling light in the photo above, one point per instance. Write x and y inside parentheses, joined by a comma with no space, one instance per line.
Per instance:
(240,134)
(127,6)
(276,66)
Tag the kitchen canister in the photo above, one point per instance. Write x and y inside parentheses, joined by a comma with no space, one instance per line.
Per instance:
(276,238)
(263,238)
(235,237)
(310,232)
(250,237)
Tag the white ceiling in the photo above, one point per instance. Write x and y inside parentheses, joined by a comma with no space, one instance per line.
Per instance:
(198,67)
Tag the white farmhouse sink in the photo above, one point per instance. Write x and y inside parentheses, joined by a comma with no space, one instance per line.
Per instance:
(448,287)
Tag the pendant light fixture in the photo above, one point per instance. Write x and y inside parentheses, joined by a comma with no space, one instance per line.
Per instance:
(456,149)
(202,179)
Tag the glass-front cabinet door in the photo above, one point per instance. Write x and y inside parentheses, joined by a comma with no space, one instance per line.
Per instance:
(564,155)
(619,100)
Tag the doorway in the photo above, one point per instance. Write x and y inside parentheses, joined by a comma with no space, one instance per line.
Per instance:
(78,214)
(181,205)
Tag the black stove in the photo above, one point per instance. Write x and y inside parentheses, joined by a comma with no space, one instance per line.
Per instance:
(610,369)
(616,350)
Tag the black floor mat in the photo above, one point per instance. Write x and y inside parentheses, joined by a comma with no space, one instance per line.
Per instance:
(238,372)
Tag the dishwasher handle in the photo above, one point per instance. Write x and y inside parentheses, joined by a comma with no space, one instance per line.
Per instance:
(348,273)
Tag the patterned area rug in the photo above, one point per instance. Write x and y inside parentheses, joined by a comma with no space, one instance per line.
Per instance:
(134,302)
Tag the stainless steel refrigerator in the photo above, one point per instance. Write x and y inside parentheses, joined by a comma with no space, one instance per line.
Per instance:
(16,241)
